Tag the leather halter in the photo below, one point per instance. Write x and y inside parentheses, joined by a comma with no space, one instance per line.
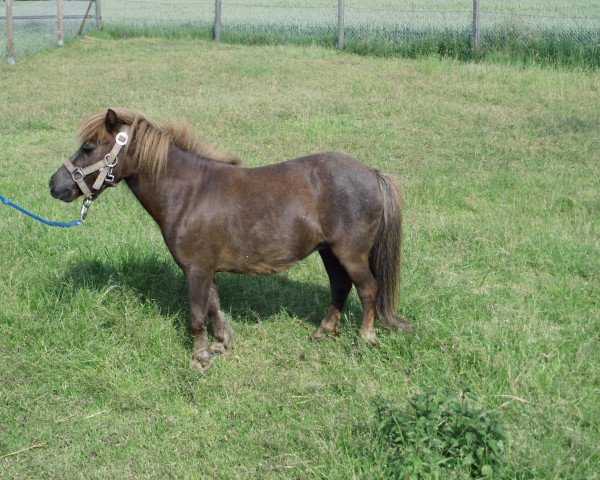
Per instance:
(104,166)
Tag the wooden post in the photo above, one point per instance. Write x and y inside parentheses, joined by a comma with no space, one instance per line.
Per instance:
(85,17)
(98,15)
(217,25)
(60,13)
(341,32)
(476,31)
(10,46)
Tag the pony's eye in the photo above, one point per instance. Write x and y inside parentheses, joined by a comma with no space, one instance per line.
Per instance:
(87,147)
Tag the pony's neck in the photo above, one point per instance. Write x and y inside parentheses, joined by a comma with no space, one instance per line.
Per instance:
(159,193)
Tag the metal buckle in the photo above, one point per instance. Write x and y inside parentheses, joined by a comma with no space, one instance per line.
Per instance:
(84,208)
(121,138)
(80,172)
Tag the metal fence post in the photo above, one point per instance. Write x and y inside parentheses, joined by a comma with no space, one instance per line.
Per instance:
(476,31)
(59,19)
(98,15)
(341,32)
(10,46)
(217,25)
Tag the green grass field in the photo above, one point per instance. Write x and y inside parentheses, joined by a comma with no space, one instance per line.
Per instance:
(500,170)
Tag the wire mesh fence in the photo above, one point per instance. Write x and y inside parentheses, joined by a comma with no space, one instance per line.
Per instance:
(552,27)
(41,24)
(525,27)
(159,15)
(280,20)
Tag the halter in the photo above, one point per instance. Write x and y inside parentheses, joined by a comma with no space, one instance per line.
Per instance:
(105,166)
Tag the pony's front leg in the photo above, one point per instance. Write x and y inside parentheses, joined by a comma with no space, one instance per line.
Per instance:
(199,284)
(222,332)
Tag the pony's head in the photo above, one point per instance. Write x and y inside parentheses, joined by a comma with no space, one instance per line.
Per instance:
(77,176)
(146,151)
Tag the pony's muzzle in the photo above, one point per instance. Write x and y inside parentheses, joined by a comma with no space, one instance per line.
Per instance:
(65,194)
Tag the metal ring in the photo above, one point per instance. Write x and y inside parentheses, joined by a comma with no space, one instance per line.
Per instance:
(121,138)
(110,165)
(80,172)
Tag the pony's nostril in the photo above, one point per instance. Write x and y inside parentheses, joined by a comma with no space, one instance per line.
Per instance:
(51,186)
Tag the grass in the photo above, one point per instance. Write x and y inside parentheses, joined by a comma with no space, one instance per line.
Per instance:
(499,165)
(506,45)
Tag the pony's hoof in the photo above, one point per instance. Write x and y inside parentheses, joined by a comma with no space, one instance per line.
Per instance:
(368,335)
(201,361)
(318,335)
(220,346)
(322,334)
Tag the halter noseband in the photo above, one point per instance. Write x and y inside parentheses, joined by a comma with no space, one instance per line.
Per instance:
(105,166)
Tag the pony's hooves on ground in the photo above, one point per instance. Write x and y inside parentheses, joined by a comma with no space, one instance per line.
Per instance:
(369,337)
(318,335)
(218,348)
(228,340)
(201,361)
(220,345)
(321,334)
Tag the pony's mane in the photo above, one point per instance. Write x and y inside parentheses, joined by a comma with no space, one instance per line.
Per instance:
(150,141)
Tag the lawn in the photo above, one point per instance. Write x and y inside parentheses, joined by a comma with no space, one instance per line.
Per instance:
(500,169)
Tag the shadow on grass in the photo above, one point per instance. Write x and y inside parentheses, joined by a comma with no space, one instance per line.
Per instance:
(248,299)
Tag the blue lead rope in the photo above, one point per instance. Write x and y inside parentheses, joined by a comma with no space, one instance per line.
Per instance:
(52,223)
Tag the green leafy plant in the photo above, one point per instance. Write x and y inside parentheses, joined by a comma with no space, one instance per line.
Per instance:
(441,435)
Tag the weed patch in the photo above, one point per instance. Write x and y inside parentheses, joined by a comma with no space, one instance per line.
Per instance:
(442,435)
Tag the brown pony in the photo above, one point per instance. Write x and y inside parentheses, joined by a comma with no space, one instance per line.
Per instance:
(218,217)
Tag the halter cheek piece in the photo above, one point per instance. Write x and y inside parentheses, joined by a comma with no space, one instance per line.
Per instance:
(105,168)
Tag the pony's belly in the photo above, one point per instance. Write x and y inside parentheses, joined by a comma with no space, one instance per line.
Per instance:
(265,264)
(266,254)
(259,269)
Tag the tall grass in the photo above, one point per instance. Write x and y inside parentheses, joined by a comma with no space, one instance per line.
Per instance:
(507,44)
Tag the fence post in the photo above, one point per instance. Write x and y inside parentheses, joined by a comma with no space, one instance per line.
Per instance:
(59,18)
(341,32)
(98,15)
(85,17)
(10,46)
(217,25)
(476,31)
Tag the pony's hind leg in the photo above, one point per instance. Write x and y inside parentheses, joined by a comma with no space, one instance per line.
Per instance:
(356,264)
(222,332)
(340,284)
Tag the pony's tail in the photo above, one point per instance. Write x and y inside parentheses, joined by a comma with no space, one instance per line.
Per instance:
(385,254)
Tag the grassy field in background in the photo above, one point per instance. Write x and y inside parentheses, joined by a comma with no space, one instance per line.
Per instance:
(560,7)
(554,32)
(500,169)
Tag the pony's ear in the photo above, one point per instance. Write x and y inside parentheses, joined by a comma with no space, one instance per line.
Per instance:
(111,121)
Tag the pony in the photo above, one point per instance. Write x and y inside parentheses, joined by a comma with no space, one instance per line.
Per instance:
(217,216)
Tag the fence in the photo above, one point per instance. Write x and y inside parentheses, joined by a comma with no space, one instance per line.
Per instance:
(552,27)
(29,26)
